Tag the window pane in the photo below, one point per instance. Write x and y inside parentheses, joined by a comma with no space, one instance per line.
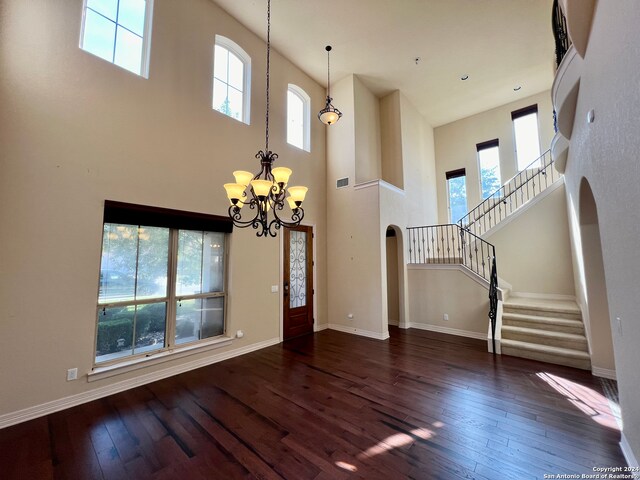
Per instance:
(131,15)
(213,262)
(236,72)
(150,324)
(212,317)
(128,51)
(115,332)
(295,120)
(298,269)
(99,34)
(235,103)
(189,279)
(118,264)
(527,140)
(199,318)
(457,198)
(220,60)
(108,8)
(220,101)
(153,260)
(489,159)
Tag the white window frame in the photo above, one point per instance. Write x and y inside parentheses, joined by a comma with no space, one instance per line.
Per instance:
(244,57)
(146,39)
(306,116)
(171,298)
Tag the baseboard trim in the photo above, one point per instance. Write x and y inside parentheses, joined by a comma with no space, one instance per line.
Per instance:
(541,296)
(13,418)
(319,328)
(358,331)
(603,372)
(450,331)
(627,452)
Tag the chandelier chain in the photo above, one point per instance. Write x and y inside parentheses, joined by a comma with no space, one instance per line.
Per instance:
(268,58)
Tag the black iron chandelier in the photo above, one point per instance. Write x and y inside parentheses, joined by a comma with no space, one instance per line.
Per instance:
(329,114)
(267,190)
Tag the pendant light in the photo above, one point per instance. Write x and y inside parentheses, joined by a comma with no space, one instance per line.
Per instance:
(329,114)
(267,190)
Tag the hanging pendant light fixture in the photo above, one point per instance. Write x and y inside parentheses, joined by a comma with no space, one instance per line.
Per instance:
(267,190)
(329,114)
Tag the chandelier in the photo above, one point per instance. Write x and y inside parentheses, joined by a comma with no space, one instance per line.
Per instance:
(267,190)
(329,114)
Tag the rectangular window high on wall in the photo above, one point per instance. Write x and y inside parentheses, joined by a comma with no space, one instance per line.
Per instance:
(298,117)
(457,194)
(118,31)
(162,280)
(526,136)
(231,79)
(489,167)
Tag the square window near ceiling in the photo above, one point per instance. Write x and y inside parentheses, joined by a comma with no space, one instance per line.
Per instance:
(119,32)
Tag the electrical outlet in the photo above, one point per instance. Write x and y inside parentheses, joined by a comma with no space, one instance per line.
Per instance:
(72,374)
(274,288)
(445,317)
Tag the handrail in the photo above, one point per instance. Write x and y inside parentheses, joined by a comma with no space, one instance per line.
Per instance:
(560,32)
(517,191)
(452,244)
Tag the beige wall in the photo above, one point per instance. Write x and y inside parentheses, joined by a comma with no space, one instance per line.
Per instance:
(455,145)
(430,297)
(367,133)
(75,130)
(606,154)
(533,249)
(391,139)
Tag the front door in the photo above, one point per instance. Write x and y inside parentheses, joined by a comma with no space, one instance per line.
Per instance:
(297,286)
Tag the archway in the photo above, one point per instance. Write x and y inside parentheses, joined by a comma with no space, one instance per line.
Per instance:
(602,358)
(395,277)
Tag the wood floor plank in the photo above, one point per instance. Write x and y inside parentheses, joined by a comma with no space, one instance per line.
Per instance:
(421,405)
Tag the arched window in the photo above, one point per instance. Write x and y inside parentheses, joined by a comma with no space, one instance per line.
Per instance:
(298,111)
(231,80)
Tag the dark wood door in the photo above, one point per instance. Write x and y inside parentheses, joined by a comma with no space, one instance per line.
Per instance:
(297,286)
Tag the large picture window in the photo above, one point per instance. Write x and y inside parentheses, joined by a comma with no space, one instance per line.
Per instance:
(159,287)
(119,32)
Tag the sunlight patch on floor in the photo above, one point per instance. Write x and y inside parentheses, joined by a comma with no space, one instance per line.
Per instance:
(585,399)
(397,440)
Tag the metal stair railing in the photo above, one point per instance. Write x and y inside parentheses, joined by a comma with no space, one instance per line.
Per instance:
(452,244)
(515,192)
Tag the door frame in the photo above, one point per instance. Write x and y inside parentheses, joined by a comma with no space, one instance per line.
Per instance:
(281,280)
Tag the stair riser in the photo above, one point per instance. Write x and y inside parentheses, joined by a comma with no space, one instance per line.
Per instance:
(548,358)
(573,344)
(576,330)
(542,313)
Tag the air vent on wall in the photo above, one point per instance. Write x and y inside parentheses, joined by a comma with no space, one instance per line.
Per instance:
(342,182)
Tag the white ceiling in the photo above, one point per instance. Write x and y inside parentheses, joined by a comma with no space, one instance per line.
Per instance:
(499,43)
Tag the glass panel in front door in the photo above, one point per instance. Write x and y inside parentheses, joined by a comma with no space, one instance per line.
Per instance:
(298,269)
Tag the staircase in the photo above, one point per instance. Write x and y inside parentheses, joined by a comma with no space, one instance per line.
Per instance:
(546,330)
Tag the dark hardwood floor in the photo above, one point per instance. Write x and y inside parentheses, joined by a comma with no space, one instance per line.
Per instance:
(333,406)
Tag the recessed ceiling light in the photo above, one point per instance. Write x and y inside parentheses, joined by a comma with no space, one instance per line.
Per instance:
(464,77)
(517,87)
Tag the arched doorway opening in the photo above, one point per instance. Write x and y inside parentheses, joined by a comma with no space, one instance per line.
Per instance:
(395,277)
(602,358)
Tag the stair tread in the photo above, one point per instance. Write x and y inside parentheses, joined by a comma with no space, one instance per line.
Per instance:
(540,319)
(524,303)
(544,333)
(566,352)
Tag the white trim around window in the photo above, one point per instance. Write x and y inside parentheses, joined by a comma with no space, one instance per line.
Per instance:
(298,118)
(231,86)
